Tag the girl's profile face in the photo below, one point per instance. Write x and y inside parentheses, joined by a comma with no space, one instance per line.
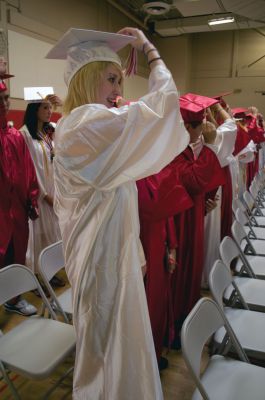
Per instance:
(44,112)
(110,87)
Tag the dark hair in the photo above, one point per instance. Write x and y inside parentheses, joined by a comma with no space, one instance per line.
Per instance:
(194,124)
(31,120)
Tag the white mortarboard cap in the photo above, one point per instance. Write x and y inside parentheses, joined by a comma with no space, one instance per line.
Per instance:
(81,46)
(37,94)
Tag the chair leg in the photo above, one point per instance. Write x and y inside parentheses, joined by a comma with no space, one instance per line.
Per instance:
(57,383)
(9,382)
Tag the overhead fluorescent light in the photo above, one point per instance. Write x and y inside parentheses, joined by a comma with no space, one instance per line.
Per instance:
(218,21)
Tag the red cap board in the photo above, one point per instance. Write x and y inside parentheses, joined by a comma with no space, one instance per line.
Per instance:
(192,106)
(239,112)
(220,96)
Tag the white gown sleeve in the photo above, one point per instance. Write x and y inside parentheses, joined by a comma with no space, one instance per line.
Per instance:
(107,147)
(226,133)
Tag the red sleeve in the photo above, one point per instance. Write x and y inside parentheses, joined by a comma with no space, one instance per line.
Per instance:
(255,132)
(162,195)
(200,175)
(242,139)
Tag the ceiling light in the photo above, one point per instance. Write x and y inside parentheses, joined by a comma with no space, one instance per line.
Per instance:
(218,21)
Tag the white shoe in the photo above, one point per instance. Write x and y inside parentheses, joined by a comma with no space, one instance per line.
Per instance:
(21,307)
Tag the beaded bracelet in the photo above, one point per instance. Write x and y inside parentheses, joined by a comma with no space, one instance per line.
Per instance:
(154,59)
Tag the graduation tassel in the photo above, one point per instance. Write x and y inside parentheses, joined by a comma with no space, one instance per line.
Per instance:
(131,63)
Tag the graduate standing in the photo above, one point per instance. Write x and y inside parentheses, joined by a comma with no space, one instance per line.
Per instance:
(18,199)
(199,173)
(225,141)
(160,197)
(38,133)
(100,150)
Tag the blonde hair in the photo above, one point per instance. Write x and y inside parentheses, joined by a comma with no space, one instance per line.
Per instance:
(84,85)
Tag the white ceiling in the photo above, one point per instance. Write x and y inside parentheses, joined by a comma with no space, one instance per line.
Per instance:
(190,16)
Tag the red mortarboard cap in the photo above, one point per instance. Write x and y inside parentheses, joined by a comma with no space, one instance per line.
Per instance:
(192,106)
(220,96)
(239,112)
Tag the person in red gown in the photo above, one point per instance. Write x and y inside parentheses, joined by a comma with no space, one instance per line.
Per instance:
(18,200)
(201,175)
(160,196)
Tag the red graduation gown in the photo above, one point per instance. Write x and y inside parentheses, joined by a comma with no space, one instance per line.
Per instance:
(226,204)
(19,190)
(198,177)
(242,139)
(159,197)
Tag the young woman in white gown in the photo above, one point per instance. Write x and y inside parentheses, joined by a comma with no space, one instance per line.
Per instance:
(38,133)
(100,151)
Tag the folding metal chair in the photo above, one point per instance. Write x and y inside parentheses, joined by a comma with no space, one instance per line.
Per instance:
(253,232)
(36,346)
(223,378)
(253,207)
(51,261)
(253,290)
(242,321)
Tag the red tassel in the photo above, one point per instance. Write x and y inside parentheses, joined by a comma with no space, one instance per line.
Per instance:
(131,63)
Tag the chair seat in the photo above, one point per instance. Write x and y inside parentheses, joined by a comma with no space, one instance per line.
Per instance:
(65,301)
(48,341)
(242,322)
(259,232)
(260,220)
(259,246)
(253,292)
(257,264)
(230,379)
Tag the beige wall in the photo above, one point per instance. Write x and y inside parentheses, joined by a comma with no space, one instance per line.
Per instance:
(220,63)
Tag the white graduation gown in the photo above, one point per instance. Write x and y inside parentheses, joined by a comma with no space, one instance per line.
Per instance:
(225,142)
(45,229)
(100,152)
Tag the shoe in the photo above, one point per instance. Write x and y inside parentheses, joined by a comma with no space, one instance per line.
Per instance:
(57,282)
(22,307)
(163,363)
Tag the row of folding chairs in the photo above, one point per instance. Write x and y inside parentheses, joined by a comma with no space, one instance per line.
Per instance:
(236,332)
(235,318)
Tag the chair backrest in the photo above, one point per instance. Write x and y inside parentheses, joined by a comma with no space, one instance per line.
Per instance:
(244,220)
(17,279)
(241,217)
(220,279)
(248,199)
(51,260)
(204,319)
(239,234)
(228,251)
(253,190)
(236,203)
